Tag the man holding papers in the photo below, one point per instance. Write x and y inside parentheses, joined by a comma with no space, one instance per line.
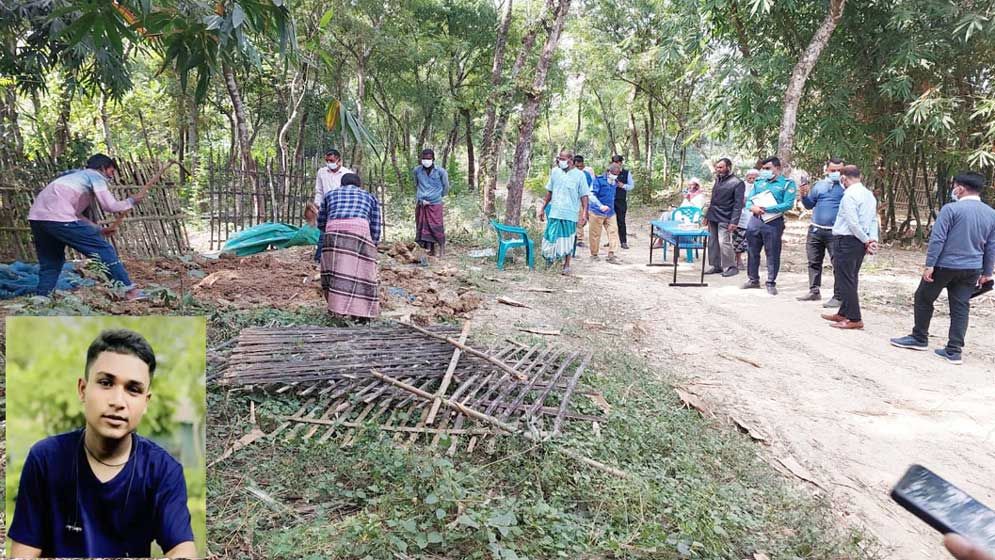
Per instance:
(855,234)
(771,196)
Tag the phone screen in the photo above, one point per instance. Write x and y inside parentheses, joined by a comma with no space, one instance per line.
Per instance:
(949,505)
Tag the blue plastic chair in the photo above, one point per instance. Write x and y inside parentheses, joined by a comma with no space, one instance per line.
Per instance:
(520,238)
(691,215)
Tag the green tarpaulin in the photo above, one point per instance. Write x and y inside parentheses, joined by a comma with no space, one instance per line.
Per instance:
(263,236)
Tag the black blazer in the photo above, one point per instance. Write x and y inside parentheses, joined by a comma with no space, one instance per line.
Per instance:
(727,201)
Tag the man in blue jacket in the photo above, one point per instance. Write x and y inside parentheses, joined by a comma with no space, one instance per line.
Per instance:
(601,209)
(766,227)
(825,199)
(960,258)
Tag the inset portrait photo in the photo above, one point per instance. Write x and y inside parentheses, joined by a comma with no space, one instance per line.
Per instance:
(105,437)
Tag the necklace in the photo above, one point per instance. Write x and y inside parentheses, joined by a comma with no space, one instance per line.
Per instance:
(97,459)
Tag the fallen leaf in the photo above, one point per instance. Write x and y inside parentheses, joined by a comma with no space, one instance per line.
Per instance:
(213,278)
(599,400)
(760,556)
(734,358)
(749,430)
(511,302)
(795,468)
(694,401)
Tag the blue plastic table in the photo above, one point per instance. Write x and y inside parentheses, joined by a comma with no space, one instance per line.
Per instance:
(669,231)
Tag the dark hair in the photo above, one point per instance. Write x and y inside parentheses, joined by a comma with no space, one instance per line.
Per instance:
(578,159)
(121,341)
(333,152)
(851,171)
(835,160)
(725,160)
(774,160)
(428,152)
(971,180)
(351,179)
(101,162)
(617,159)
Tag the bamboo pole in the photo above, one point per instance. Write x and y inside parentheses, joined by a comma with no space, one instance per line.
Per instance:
(511,429)
(448,377)
(472,351)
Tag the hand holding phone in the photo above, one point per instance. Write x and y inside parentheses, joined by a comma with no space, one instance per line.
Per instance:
(946,508)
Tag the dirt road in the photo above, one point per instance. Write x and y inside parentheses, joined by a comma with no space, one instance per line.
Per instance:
(843,408)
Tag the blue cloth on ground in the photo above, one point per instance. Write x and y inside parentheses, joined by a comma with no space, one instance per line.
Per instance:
(258,238)
(21,279)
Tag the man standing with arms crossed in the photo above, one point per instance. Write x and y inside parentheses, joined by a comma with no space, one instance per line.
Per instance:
(960,258)
(824,198)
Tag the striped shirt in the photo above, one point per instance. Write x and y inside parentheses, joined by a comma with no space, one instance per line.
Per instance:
(66,198)
(351,202)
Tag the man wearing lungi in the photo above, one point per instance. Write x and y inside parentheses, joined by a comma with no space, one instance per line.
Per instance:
(431,184)
(350,218)
(566,203)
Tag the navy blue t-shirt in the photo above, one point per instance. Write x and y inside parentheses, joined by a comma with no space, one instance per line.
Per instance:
(145,501)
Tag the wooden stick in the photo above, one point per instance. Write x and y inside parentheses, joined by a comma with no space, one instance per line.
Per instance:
(406,429)
(565,399)
(448,377)
(511,429)
(472,351)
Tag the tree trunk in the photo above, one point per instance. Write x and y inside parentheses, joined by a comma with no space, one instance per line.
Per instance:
(11,140)
(633,130)
(296,97)
(796,85)
(523,150)
(244,139)
(580,106)
(471,170)
(61,140)
(426,129)
(193,138)
(487,140)
(451,140)
(606,116)
(489,154)
(105,121)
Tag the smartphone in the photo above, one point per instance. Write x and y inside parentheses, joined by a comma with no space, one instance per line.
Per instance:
(945,507)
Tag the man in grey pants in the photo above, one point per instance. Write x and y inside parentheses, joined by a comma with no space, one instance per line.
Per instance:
(722,219)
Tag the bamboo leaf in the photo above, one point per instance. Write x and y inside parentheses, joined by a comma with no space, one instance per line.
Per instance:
(332,114)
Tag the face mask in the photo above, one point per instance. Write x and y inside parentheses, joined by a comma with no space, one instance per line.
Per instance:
(766,175)
(834,176)
(332,166)
(953,195)
(563,164)
(426,163)
(612,178)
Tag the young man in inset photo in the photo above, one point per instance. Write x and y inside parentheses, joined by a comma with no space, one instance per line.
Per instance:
(103,490)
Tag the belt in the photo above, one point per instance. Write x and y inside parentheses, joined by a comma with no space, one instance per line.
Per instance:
(822,227)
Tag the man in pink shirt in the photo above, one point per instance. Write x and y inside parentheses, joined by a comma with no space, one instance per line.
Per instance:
(57,219)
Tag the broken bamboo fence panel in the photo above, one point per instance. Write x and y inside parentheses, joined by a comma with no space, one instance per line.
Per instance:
(448,377)
(511,429)
(472,351)
(567,394)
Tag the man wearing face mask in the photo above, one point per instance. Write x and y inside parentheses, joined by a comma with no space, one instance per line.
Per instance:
(589,173)
(739,234)
(59,218)
(566,199)
(824,201)
(431,184)
(960,258)
(855,234)
(722,219)
(623,184)
(766,227)
(327,179)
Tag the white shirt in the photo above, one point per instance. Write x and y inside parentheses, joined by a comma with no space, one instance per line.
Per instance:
(327,180)
(858,214)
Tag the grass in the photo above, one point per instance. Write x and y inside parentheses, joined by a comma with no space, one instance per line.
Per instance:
(698,489)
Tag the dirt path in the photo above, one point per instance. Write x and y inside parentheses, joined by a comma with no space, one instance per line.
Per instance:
(842,408)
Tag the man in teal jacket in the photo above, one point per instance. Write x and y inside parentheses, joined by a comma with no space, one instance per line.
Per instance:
(766,226)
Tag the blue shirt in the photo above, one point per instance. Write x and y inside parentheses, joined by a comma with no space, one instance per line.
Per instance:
(431,185)
(566,189)
(858,215)
(145,501)
(602,193)
(350,202)
(963,237)
(783,189)
(825,197)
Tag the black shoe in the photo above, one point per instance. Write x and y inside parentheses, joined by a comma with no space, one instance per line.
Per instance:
(625,245)
(772,290)
(751,285)
(730,272)
(713,270)
(811,296)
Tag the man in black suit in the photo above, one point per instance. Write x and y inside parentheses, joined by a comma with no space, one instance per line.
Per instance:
(722,219)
